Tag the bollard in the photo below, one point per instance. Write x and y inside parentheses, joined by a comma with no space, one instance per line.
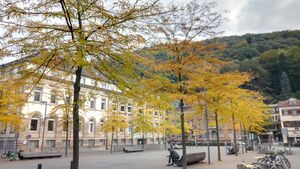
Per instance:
(71,166)
(39,166)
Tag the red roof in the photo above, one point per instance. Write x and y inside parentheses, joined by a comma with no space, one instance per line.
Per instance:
(291,102)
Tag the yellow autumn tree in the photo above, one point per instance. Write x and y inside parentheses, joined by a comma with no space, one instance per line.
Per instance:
(88,35)
(179,31)
(142,121)
(12,99)
(115,121)
(241,105)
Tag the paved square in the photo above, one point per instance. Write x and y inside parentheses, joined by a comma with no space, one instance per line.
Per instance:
(142,160)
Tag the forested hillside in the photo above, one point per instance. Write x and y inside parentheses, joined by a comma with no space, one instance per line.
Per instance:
(273,58)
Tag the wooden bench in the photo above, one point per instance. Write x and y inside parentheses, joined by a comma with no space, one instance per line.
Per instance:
(30,155)
(132,150)
(191,158)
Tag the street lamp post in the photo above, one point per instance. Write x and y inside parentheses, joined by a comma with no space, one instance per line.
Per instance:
(44,125)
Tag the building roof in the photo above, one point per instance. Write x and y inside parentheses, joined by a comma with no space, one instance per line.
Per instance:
(291,102)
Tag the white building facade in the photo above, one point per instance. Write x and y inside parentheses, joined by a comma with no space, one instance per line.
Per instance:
(44,126)
(289,111)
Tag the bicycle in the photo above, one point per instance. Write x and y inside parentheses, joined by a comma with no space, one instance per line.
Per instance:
(273,161)
(6,155)
(281,157)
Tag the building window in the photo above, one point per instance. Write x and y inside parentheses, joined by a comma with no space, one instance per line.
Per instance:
(93,103)
(103,103)
(37,94)
(129,141)
(93,83)
(91,126)
(80,142)
(285,112)
(294,112)
(53,98)
(129,128)
(33,143)
(91,142)
(103,85)
(68,144)
(82,80)
(82,100)
(291,123)
(51,125)
(292,101)
(122,108)
(102,141)
(34,124)
(129,108)
(50,143)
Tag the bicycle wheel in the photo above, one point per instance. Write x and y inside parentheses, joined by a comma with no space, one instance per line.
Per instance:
(280,167)
(287,162)
(3,155)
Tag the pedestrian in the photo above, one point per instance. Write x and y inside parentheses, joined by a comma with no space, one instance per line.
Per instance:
(173,156)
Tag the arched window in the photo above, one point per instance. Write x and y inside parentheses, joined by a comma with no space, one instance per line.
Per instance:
(91,125)
(34,122)
(51,124)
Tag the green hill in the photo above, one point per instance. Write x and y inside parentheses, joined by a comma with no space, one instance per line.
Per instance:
(274,59)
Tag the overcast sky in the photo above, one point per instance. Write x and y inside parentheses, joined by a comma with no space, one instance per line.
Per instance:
(259,16)
(253,16)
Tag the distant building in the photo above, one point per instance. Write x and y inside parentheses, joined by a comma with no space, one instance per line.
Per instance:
(289,111)
(273,130)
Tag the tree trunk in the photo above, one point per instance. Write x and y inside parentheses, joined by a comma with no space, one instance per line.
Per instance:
(106,140)
(143,142)
(184,164)
(245,138)
(218,137)
(131,135)
(125,138)
(207,132)
(117,137)
(241,132)
(76,118)
(234,135)
(165,140)
(111,143)
(196,135)
(67,136)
